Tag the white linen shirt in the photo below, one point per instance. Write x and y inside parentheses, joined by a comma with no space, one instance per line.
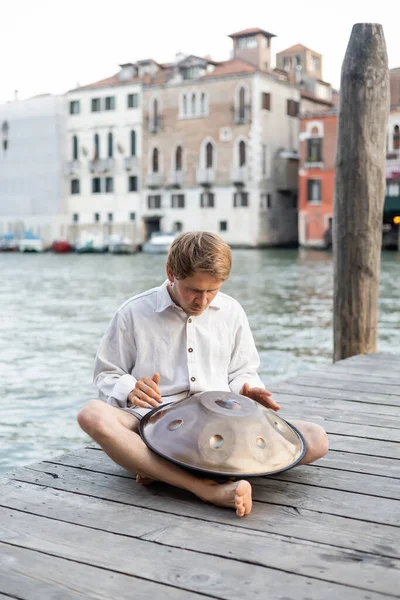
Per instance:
(150,334)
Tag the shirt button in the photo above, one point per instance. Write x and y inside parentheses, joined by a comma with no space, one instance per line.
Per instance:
(189,320)
(193,379)
(190,349)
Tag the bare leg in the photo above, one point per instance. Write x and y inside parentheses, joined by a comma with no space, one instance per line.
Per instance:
(316,440)
(117,433)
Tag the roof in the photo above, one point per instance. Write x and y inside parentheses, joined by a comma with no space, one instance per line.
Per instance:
(231,67)
(313,98)
(252,31)
(296,48)
(108,82)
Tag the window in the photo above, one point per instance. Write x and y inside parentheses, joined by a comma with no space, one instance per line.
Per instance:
(96,146)
(74,107)
(242,108)
(314,63)
(132,216)
(209,155)
(133,100)
(396,138)
(178,226)
(242,154)
(203,103)
(266,101)
(110,145)
(207,200)
(178,201)
(223,225)
(109,185)
(75,218)
(75,186)
(393,190)
(178,159)
(247,42)
(240,199)
(314,150)
(133,143)
(75,149)
(292,108)
(193,104)
(184,104)
(154,161)
(314,191)
(110,103)
(110,217)
(154,201)
(96,185)
(96,105)
(265,201)
(286,63)
(132,183)
(297,60)
(96,217)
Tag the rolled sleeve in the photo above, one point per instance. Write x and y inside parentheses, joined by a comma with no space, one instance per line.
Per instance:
(244,359)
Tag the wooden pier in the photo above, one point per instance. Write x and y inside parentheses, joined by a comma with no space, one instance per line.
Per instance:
(78,526)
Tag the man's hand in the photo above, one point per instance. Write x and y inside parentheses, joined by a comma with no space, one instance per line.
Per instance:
(260,395)
(146,392)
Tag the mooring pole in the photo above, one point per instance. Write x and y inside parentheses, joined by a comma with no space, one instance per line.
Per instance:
(360,191)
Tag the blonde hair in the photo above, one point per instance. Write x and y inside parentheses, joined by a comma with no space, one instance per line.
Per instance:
(199,251)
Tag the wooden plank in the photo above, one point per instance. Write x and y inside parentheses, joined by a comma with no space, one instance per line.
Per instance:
(384,487)
(388,404)
(359,446)
(355,416)
(388,374)
(360,463)
(389,392)
(366,432)
(29,575)
(187,570)
(292,520)
(322,562)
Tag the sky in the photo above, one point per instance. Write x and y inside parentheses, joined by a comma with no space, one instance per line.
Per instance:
(51,46)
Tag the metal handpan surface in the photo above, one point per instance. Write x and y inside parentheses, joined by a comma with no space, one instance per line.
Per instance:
(222,433)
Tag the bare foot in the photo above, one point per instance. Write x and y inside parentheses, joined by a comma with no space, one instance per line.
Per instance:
(237,495)
(144,480)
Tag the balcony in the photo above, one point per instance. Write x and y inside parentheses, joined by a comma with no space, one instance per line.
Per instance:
(154,180)
(102,165)
(205,176)
(239,175)
(175,179)
(241,115)
(286,171)
(154,123)
(73,167)
(131,163)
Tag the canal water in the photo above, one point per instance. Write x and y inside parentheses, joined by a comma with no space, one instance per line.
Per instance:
(54,309)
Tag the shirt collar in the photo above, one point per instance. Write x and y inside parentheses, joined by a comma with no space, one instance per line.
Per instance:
(164,300)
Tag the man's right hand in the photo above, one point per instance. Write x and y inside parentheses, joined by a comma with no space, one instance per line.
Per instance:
(146,392)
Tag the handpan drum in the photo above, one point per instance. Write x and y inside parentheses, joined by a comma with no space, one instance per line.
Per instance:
(222,433)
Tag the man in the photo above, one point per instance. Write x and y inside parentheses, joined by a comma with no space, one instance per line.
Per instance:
(170,342)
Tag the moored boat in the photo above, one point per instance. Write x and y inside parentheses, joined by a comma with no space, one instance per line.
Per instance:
(159,243)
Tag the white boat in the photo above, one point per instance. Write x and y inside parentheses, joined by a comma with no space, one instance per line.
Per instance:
(159,243)
(120,245)
(90,242)
(30,243)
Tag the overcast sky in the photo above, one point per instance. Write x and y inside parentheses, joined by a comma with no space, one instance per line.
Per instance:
(53,45)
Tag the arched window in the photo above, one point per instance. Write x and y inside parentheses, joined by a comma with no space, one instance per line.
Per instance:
(178,159)
(155,109)
(209,155)
(154,161)
(110,145)
(193,104)
(96,146)
(242,154)
(184,104)
(133,143)
(242,98)
(75,150)
(203,103)
(396,138)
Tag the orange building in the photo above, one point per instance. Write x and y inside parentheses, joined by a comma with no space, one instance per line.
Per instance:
(317,149)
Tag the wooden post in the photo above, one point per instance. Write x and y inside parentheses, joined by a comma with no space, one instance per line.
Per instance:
(360,191)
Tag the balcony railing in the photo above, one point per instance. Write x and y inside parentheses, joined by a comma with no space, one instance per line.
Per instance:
(155,123)
(241,115)
(131,163)
(102,165)
(205,176)
(239,175)
(176,179)
(154,180)
(72,167)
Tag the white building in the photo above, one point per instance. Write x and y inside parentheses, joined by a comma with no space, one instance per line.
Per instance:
(103,150)
(32,195)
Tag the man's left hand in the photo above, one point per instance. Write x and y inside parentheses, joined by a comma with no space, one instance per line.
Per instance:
(259,395)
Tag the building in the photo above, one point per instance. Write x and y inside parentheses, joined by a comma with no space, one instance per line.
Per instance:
(318,133)
(103,150)
(32,193)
